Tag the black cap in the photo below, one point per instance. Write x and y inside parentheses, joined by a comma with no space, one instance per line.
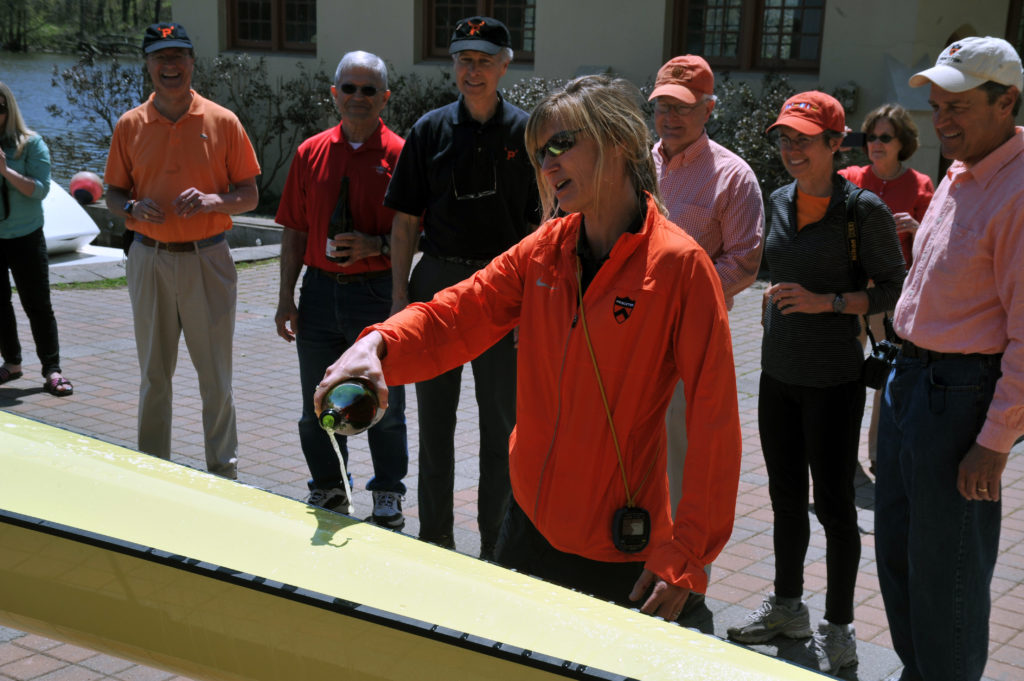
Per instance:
(483,34)
(164,35)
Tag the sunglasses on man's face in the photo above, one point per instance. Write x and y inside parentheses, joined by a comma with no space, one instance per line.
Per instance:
(350,89)
(884,139)
(3,109)
(557,144)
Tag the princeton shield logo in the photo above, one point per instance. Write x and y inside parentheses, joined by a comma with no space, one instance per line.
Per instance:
(622,308)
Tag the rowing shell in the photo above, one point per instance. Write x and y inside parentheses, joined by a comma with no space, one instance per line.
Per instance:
(177,569)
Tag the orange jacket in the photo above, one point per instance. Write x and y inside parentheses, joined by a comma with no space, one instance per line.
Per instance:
(656,314)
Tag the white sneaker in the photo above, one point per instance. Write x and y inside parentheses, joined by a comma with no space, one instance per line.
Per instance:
(773,619)
(333,499)
(835,646)
(387,510)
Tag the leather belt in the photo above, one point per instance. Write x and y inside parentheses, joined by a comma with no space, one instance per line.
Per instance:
(179,246)
(908,349)
(466,262)
(340,278)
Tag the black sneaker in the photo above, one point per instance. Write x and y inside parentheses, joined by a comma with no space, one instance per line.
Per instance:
(333,499)
(387,510)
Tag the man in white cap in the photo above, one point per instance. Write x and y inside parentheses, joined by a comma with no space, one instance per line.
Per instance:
(954,405)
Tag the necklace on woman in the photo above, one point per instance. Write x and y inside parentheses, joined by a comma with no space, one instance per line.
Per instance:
(888,176)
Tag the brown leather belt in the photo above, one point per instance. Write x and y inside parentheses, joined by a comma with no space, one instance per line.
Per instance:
(908,349)
(340,278)
(179,246)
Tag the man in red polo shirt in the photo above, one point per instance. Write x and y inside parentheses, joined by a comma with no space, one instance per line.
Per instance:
(344,169)
(179,167)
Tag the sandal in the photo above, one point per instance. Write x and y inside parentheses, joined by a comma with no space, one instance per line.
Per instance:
(58,386)
(8,375)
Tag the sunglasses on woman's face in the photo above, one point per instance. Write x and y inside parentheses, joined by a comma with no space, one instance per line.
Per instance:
(558,144)
(884,139)
(350,89)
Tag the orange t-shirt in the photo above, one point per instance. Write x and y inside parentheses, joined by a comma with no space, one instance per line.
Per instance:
(156,158)
(809,208)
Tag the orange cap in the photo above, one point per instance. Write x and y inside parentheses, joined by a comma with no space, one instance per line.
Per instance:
(812,113)
(687,78)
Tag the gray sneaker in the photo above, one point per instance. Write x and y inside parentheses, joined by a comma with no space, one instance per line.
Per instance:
(835,647)
(387,510)
(333,499)
(773,619)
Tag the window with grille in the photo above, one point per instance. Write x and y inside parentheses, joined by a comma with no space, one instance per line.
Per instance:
(751,34)
(442,15)
(275,25)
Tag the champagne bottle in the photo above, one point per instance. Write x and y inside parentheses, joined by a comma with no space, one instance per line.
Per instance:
(351,407)
(341,220)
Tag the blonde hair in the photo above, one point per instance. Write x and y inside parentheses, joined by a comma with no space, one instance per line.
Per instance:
(15,132)
(608,111)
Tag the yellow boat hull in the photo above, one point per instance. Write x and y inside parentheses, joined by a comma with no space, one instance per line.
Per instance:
(174,568)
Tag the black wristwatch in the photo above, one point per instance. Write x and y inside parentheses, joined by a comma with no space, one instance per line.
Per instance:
(385,247)
(838,303)
(128,206)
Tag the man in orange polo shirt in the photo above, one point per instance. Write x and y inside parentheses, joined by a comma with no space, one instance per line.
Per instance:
(179,167)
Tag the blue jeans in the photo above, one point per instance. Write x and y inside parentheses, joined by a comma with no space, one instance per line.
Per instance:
(25,258)
(494,373)
(936,551)
(331,317)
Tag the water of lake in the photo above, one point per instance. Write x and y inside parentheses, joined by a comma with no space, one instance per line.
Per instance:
(28,76)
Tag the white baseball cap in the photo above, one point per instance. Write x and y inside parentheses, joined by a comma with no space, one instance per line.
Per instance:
(971,62)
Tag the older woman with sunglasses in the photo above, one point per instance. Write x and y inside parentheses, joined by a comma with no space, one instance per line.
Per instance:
(24,182)
(892,140)
(811,396)
(614,306)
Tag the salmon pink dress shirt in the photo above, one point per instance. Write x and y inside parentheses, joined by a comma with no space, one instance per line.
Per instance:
(965,289)
(713,195)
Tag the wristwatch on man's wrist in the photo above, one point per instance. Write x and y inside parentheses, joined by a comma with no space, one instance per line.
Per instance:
(385,247)
(838,303)
(128,206)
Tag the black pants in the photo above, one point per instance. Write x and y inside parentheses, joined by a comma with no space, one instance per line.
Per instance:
(494,374)
(816,428)
(522,547)
(25,258)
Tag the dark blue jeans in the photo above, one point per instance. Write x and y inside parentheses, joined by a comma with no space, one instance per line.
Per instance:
(25,258)
(494,373)
(817,429)
(936,551)
(331,317)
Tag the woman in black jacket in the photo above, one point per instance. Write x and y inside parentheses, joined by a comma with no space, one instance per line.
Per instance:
(811,397)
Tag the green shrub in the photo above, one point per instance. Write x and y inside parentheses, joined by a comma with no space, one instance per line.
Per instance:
(277,116)
(528,92)
(413,95)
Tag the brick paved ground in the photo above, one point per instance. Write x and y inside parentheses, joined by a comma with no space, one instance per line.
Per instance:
(99,357)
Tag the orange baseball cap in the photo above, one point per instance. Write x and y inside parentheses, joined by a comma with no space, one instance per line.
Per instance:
(687,78)
(812,113)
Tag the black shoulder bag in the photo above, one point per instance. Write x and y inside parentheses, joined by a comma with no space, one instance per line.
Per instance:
(879,363)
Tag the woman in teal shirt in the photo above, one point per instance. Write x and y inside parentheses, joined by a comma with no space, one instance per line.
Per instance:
(24,181)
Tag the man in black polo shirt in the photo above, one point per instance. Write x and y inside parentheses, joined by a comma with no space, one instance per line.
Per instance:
(464,169)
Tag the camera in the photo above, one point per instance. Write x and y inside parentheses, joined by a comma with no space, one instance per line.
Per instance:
(879,363)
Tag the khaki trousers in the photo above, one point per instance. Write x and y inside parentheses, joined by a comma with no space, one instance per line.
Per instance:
(192,292)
